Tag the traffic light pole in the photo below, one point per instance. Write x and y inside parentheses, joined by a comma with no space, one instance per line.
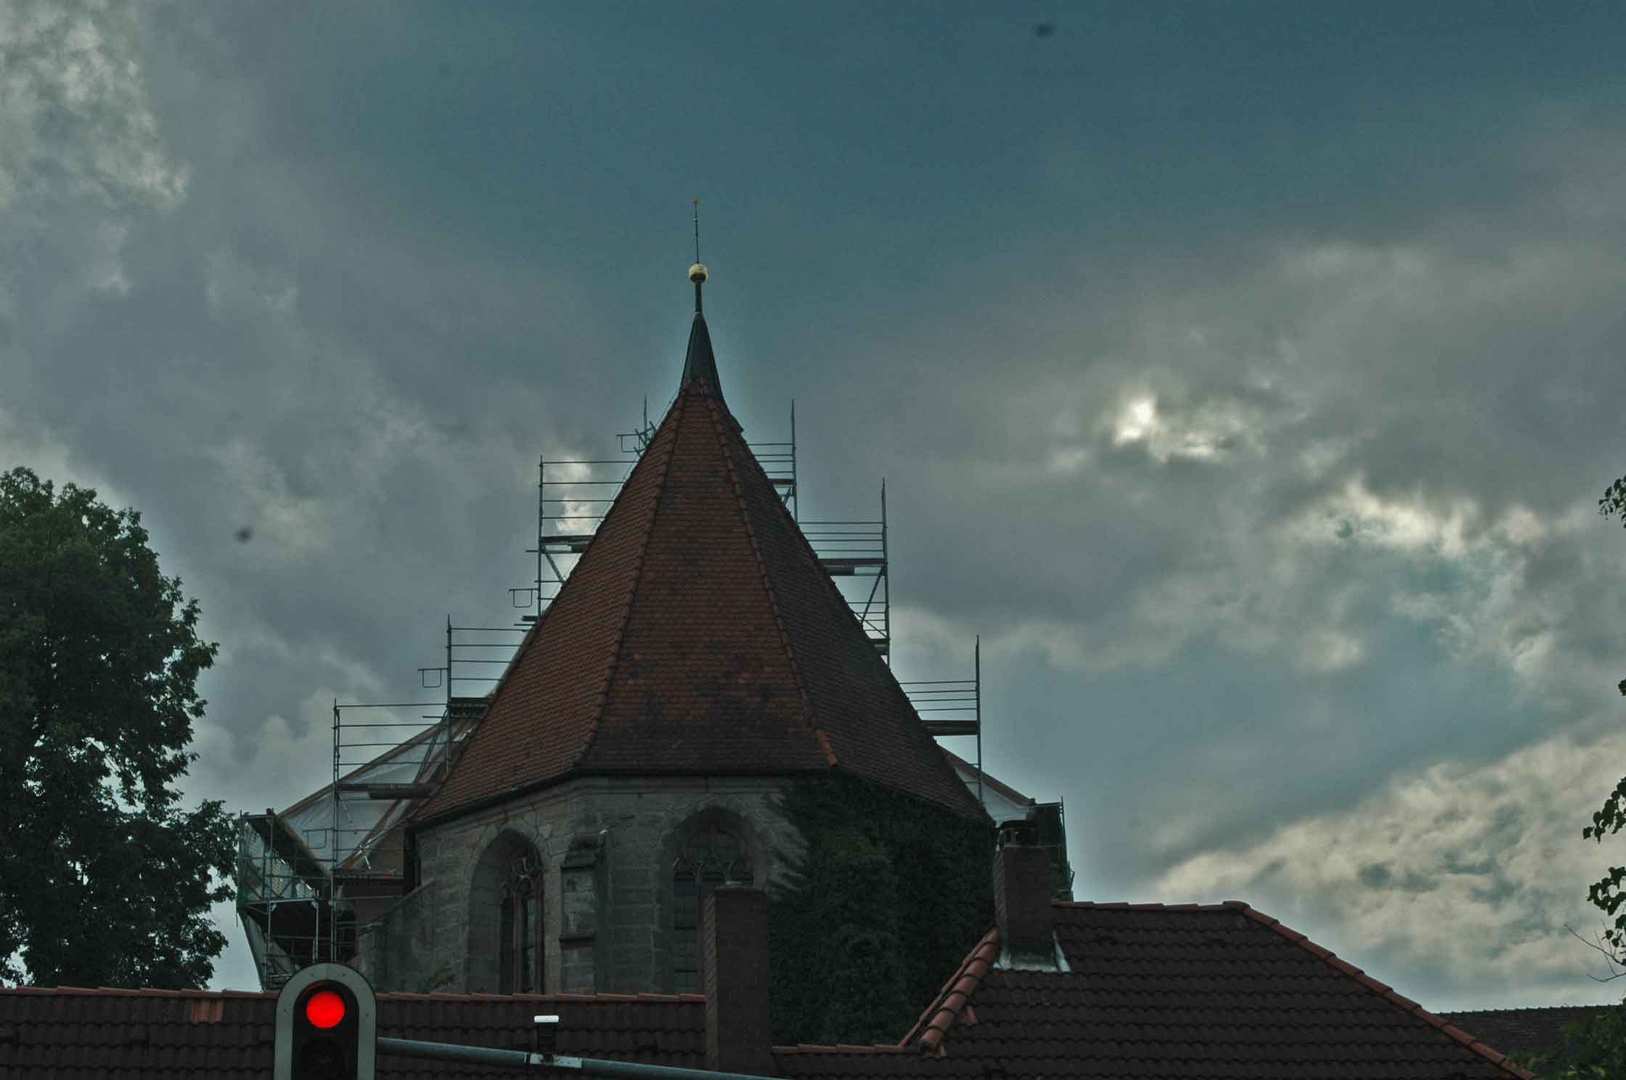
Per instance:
(525,1059)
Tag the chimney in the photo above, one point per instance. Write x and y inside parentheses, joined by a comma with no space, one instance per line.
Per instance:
(734,976)
(1022,901)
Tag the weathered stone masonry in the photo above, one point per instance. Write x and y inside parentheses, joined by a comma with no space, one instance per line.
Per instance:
(608,846)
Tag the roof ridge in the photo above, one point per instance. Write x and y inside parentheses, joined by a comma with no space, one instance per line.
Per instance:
(833,593)
(1388,993)
(533,638)
(1523,1009)
(992,781)
(1123,905)
(712,406)
(944,1010)
(136,991)
(603,695)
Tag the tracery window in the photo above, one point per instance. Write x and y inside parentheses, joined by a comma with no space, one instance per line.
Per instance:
(712,856)
(519,939)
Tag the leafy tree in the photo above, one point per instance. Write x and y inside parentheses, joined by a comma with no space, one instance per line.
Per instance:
(104,879)
(1606,893)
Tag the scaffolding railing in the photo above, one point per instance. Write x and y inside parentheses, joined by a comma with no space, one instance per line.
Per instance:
(778,459)
(951,708)
(574,495)
(854,554)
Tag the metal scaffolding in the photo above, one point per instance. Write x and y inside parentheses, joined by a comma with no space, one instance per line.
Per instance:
(951,708)
(573,495)
(309,874)
(303,873)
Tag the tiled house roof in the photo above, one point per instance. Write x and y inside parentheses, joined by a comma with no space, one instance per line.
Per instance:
(1521,1031)
(1188,991)
(1194,992)
(698,635)
(66,1034)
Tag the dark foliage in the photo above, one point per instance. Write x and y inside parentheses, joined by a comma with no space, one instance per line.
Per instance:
(886,900)
(1606,893)
(104,879)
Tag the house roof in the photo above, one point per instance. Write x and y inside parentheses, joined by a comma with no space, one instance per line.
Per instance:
(698,635)
(1196,992)
(1189,991)
(1521,1031)
(70,1034)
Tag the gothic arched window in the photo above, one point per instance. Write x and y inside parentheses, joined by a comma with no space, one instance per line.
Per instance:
(712,856)
(519,941)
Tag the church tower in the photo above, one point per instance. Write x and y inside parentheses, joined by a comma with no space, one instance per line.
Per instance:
(696,663)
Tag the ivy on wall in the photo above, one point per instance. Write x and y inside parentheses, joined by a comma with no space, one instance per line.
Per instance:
(889,895)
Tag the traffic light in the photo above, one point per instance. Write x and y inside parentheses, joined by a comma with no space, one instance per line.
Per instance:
(327,1025)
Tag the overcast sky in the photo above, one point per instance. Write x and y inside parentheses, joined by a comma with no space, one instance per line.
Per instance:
(1245,374)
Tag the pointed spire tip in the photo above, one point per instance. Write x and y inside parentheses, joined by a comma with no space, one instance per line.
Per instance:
(699,366)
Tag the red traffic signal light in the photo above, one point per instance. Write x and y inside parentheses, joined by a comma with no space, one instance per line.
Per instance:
(326,1026)
(325,1009)
(325,1034)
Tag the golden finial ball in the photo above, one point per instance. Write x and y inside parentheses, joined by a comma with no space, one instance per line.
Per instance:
(698,273)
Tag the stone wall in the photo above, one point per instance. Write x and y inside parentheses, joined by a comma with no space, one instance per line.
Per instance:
(395,951)
(608,847)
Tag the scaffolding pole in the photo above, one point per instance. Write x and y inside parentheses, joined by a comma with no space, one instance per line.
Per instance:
(333,853)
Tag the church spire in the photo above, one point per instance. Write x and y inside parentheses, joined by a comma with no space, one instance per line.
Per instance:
(699,365)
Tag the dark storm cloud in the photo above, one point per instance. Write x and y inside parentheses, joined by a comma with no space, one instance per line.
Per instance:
(1245,378)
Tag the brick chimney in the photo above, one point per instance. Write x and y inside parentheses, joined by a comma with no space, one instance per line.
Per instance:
(1022,901)
(734,978)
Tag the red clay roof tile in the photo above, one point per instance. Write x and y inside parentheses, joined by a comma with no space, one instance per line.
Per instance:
(1200,990)
(954,999)
(1388,994)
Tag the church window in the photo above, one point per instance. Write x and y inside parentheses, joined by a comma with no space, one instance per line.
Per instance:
(520,926)
(713,856)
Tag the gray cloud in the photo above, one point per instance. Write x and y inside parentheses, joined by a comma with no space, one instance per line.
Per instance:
(1270,492)
(1462,877)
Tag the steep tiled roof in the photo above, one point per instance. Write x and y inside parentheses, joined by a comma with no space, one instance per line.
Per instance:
(1188,991)
(1520,1031)
(66,1034)
(698,635)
